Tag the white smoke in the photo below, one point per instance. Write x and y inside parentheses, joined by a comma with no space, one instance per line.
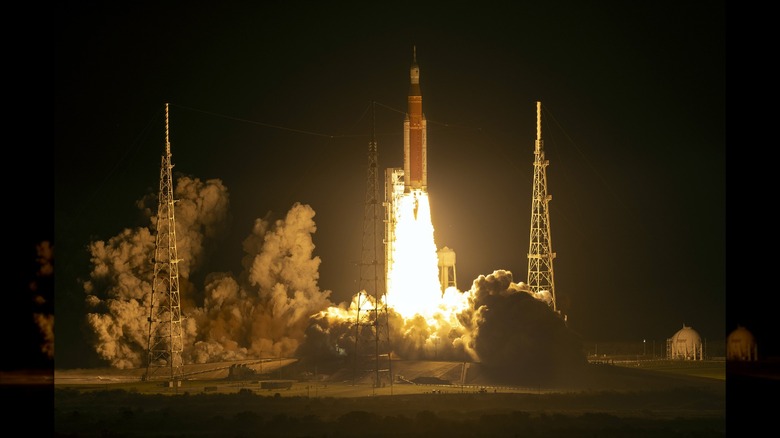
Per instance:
(263,312)
(119,285)
(202,215)
(266,317)
(511,330)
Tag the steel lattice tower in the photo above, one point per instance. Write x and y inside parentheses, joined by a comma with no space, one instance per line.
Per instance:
(371,321)
(165,330)
(540,253)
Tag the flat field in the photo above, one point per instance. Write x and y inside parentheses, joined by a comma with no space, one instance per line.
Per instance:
(603,401)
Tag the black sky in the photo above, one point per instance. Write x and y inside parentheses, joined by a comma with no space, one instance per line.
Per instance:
(273,99)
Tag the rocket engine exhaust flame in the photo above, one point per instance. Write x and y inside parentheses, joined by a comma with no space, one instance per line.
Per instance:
(413,276)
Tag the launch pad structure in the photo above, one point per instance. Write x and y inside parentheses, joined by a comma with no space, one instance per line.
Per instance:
(413,177)
(165,342)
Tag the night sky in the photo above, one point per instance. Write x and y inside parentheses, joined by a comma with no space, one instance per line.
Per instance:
(275,100)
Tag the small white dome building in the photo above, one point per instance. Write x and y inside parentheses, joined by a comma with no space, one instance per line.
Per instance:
(741,345)
(685,344)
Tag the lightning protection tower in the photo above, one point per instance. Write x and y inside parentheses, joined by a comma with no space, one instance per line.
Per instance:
(540,253)
(372,335)
(165,331)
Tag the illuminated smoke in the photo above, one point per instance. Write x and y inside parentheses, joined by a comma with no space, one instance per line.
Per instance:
(422,322)
(268,316)
(202,216)
(274,307)
(515,334)
(42,286)
(119,285)
(506,327)
(263,312)
(116,295)
(512,331)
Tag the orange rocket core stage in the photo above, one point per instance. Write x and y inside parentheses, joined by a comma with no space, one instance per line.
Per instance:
(415,142)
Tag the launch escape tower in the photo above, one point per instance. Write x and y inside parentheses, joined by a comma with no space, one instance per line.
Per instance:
(371,321)
(165,330)
(540,254)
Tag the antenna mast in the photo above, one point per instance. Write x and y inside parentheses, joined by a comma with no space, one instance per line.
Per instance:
(165,330)
(540,253)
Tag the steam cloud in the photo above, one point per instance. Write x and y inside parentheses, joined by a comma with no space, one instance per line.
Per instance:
(274,307)
(262,313)
(515,333)
(267,316)
(511,330)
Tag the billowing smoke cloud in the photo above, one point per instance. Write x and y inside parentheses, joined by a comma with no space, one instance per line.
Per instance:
(267,316)
(515,333)
(119,285)
(511,331)
(117,292)
(274,307)
(262,313)
(202,216)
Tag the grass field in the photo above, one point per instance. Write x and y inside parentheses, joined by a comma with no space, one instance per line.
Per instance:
(708,369)
(683,412)
(662,400)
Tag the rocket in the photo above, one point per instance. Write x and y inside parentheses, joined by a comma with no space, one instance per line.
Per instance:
(415,138)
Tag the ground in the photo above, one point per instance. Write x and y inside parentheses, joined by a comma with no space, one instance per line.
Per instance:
(643,398)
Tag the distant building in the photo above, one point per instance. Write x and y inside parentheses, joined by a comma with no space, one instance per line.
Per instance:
(741,345)
(685,345)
